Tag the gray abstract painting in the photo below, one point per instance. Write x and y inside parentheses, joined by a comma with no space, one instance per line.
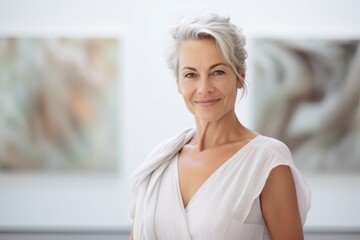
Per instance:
(307,94)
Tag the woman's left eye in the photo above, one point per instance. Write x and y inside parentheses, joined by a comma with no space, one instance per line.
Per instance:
(218,73)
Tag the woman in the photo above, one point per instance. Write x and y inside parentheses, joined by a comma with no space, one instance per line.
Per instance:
(219,180)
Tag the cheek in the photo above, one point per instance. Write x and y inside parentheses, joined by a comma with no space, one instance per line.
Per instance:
(180,89)
(184,90)
(231,94)
(229,90)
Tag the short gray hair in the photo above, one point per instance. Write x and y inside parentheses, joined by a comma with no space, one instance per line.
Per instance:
(228,37)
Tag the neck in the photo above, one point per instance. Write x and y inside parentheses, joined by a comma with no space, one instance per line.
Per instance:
(226,130)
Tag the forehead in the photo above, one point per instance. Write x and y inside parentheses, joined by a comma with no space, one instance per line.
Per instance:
(199,52)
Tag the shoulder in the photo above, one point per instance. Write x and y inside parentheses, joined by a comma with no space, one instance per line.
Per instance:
(169,144)
(271,146)
(161,154)
(274,163)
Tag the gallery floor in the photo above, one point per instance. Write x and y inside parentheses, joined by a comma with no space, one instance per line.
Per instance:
(124,235)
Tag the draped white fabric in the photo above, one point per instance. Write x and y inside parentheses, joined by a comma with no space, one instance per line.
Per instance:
(146,182)
(225,207)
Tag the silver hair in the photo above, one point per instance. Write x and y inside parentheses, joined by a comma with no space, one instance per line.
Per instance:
(228,37)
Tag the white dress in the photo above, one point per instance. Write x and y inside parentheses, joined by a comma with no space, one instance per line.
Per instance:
(226,206)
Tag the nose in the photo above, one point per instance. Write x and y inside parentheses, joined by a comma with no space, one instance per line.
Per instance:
(205,86)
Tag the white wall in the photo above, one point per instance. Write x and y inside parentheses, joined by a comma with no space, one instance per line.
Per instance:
(150,107)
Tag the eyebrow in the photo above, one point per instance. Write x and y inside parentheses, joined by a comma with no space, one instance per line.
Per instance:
(218,64)
(211,67)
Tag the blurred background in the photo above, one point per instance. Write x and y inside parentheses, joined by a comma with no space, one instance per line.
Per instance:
(85,94)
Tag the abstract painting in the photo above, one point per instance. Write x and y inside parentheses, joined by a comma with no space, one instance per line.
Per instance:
(58,104)
(307,94)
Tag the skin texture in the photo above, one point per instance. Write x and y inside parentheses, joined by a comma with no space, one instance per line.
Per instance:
(209,86)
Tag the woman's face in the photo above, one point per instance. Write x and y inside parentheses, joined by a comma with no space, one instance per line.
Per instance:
(206,81)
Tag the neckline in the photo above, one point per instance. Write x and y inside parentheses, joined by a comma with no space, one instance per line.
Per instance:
(201,188)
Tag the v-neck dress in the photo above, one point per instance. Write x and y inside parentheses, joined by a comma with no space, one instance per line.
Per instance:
(226,206)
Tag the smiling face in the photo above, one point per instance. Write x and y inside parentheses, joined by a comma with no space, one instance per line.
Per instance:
(206,81)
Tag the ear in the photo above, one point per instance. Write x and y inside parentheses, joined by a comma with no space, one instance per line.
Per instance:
(240,83)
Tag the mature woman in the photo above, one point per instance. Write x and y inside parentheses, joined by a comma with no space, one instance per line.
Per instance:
(219,180)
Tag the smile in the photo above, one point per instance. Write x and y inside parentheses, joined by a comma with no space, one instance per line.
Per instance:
(208,103)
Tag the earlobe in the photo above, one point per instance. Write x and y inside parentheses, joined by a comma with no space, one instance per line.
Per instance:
(242,73)
(241,80)
(238,84)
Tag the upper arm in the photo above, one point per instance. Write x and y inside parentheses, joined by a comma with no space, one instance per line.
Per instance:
(279,205)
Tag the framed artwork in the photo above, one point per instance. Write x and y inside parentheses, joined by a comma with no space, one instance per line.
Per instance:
(59,103)
(307,94)
(60,129)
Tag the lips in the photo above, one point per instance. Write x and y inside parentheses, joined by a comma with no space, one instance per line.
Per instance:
(207,102)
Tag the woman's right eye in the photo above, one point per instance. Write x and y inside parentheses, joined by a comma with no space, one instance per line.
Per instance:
(190,75)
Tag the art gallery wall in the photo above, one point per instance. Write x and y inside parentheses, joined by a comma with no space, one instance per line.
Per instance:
(150,108)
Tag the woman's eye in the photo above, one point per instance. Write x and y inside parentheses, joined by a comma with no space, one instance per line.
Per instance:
(218,73)
(190,75)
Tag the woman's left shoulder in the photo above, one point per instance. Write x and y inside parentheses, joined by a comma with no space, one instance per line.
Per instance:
(272,145)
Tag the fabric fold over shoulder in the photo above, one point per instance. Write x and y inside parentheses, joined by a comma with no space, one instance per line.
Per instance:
(160,154)
(275,153)
(145,185)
